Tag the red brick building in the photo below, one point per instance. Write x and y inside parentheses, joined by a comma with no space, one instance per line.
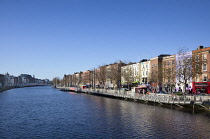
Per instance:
(201,83)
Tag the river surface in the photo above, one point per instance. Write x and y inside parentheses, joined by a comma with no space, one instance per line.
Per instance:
(45,112)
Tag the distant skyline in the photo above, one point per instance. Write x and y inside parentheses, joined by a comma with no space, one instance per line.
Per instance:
(50,38)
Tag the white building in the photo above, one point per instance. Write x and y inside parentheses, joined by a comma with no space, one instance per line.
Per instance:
(9,80)
(145,68)
(108,83)
(133,70)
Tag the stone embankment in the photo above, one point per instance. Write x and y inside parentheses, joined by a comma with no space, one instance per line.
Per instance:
(187,102)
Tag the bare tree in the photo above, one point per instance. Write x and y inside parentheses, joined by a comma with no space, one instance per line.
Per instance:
(101,75)
(187,67)
(67,80)
(127,75)
(70,79)
(56,81)
(153,77)
(90,78)
(74,79)
(169,76)
(115,75)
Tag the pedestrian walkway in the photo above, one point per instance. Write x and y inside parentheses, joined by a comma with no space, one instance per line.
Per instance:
(152,97)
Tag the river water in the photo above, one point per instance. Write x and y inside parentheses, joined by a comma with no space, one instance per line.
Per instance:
(45,112)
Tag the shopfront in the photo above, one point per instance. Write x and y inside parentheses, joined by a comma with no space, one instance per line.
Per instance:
(201,87)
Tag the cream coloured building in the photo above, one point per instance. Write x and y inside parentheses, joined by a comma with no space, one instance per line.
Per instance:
(145,71)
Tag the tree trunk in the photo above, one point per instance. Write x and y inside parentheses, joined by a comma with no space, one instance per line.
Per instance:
(184,89)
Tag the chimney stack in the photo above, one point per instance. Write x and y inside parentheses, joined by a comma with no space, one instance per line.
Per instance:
(200,47)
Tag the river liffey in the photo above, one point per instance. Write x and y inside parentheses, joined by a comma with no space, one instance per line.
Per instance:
(45,112)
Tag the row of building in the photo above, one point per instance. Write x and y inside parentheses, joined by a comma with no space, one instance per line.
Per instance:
(22,80)
(185,71)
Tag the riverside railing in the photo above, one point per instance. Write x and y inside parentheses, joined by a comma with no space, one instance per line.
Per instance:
(152,97)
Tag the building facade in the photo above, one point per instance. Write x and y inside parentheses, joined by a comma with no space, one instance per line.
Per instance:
(156,72)
(145,71)
(201,82)
(2,81)
(169,73)
(113,75)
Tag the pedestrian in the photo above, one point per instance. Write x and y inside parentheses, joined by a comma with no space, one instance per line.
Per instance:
(190,92)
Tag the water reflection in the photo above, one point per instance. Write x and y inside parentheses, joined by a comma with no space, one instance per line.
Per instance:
(44,112)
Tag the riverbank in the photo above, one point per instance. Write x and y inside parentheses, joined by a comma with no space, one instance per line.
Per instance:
(187,103)
(190,104)
(2,89)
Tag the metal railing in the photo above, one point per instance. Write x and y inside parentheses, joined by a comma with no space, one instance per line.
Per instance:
(152,97)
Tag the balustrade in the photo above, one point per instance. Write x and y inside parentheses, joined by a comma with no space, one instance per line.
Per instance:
(160,98)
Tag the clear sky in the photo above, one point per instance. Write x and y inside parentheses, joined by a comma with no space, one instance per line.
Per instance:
(50,38)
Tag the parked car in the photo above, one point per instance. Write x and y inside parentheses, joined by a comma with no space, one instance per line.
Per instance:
(124,89)
(177,93)
(201,94)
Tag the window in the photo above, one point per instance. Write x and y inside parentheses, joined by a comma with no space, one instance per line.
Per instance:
(204,67)
(164,63)
(169,63)
(204,57)
(204,77)
(145,80)
(197,58)
(173,62)
(197,68)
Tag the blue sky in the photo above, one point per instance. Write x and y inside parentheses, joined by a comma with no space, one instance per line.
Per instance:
(50,38)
